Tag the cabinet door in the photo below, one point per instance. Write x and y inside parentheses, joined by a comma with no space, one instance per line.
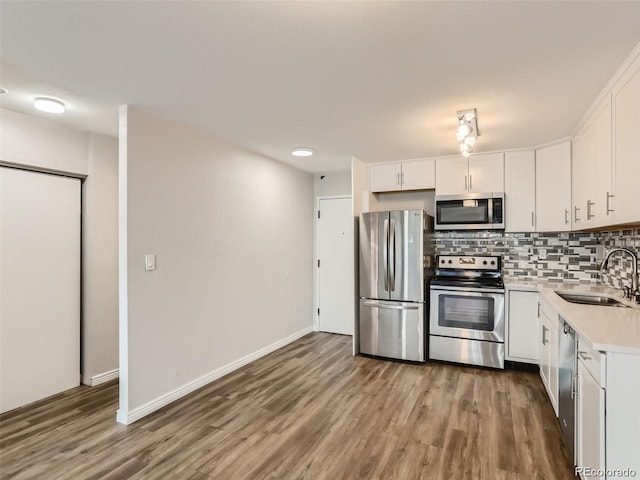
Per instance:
(544,350)
(524,327)
(590,421)
(452,175)
(583,171)
(553,364)
(486,173)
(385,177)
(626,145)
(603,165)
(520,191)
(549,357)
(553,188)
(419,174)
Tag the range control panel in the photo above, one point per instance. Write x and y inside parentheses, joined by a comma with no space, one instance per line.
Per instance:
(468,262)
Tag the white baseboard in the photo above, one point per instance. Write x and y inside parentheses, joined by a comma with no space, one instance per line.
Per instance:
(135,414)
(101,378)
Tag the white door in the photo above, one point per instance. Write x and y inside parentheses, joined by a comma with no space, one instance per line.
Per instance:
(39,286)
(336,287)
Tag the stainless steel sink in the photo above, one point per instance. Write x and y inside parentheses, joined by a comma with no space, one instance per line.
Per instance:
(585,299)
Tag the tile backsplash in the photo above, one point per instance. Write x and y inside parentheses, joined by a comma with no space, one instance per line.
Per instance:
(553,257)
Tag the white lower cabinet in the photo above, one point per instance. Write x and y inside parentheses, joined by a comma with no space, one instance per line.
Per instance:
(549,352)
(523,326)
(590,424)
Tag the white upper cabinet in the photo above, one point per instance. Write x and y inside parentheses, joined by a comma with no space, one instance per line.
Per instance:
(416,174)
(452,175)
(626,145)
(385,177)
(486,173)
(553,188)
(483,173)
(520,191)
(591,170)
(419,174)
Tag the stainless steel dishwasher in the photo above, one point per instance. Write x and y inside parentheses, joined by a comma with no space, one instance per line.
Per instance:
(567,366)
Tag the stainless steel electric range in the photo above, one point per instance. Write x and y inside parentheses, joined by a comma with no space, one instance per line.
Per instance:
(467,311)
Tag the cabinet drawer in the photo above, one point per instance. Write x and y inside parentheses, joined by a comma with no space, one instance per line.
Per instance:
(594,361)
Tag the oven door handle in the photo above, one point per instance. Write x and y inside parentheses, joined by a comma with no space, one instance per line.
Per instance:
(390,306)
(462,290)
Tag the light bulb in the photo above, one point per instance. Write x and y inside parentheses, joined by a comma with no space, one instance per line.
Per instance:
(464,130)
(470,141)
(464,147)
(466,153)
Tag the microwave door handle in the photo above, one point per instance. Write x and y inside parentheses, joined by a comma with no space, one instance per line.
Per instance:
(490,208)
(392,260)
(385,255)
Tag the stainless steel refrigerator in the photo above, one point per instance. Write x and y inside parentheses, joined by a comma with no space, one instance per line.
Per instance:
(395,266)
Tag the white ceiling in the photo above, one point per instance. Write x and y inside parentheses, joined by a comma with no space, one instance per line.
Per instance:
(378,80)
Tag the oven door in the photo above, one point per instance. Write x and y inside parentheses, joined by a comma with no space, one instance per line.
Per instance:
(476,314)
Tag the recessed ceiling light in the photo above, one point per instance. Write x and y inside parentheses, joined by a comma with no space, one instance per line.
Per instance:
(48,105)
(302,152)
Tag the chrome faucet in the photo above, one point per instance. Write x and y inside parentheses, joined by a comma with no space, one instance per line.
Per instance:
(633,291)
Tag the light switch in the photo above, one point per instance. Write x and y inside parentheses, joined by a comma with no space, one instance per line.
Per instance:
(149,262)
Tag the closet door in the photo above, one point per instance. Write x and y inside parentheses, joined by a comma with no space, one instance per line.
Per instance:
(39,286)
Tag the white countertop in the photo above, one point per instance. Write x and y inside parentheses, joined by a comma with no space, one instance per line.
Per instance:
(608,329)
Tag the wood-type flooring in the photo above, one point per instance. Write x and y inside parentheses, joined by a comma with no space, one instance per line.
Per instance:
(308,411)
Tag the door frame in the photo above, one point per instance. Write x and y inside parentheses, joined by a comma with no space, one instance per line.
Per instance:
(316,275)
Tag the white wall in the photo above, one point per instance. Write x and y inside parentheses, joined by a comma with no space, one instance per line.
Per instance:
(332,184)
(100,261)
(42,143)
(232,232)
(48,145)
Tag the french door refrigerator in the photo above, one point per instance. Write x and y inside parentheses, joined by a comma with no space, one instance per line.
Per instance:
(395,266)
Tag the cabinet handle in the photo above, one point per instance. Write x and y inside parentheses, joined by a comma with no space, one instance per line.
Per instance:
(566,216)
(402,178)
(544,335)
(574,385)
(609,210)
(583,355)
(470,182)
(589,214)
(576,209)
(533,219)
(539,310)
(465,183)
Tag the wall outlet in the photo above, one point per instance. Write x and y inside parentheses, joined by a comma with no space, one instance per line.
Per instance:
(599,253)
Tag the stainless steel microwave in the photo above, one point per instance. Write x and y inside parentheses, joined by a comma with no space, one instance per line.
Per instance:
(471,211)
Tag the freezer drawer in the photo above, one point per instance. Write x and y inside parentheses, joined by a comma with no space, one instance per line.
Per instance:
(393,329)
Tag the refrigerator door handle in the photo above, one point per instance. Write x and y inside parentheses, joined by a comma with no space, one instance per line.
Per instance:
(389,306)
(392,260)
(385,254)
